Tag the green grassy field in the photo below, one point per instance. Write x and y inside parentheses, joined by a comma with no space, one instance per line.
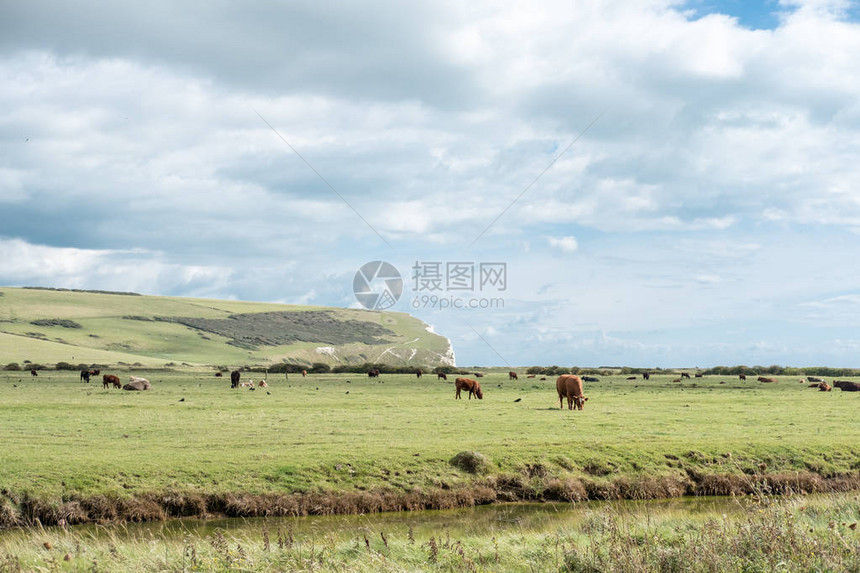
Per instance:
(347,437)
(114,328)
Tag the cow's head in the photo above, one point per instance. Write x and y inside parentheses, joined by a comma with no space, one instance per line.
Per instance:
(579,401)
(478,392)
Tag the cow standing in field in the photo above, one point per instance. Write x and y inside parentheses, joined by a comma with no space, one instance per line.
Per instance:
(33,372)
(742,377)
(473,386)
(441,376)
(304,373)
(234,378)
(646,376)
(109,379)
(85,376)
(373,373)
(684,375)
(512,375)
(570,386)
(419,373)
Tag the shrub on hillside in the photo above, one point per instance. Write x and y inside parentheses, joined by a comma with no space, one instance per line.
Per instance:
(12,366)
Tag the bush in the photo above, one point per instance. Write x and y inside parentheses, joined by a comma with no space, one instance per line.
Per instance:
(472,462)
(67,366)
(12,366)
(320,368)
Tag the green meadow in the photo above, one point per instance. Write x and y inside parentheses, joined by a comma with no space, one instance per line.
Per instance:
(348,443)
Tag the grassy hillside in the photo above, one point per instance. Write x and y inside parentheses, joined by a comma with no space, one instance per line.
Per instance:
(47,326)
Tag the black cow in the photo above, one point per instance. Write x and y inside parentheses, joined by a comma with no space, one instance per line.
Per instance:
(590,379)
(85,375)
(646,376)
(234,378)
(847,386)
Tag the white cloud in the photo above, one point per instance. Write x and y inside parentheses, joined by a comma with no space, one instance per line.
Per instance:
(566,244)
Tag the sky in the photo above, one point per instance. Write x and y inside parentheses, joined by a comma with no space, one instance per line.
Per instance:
(663,183)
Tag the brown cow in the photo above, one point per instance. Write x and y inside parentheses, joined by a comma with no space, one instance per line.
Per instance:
(763,379)
(441,375)
(33,373)
(473,386)
(742,377)
(570,386)
(304,373)
(109,379)
(218,375)
(698,375)
(847,386)
(823,386)
(530,376)
(478,375)
(419,373)
(512,375)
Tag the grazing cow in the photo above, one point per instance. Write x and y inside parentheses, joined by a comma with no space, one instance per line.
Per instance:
(846,386)
(473,386)
(478,375)
(96,372)
(109,379)
(85,375)
(742,377)
(234,378)
(570,386)
(512,375)
(590,379)
(814,379)
(419,373)
(632,378)
(140,385)
(684,375)
(374,373)
(763,379)
(646,376)
(218,375)
(441,375)
(304,373)
(530,376)
(698,375)
(33,373)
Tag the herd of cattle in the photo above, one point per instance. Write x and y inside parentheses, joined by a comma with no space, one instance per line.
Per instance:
(568,386)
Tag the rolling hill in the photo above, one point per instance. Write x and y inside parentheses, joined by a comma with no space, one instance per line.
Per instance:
(47,326)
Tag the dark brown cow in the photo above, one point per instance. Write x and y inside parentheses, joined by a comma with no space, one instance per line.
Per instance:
(235,375)
(478,375)
(419,373)
(632,378)
(846,386)
(218,375)
(512,375)
(33,373)
(763,379)
(473,386)
(109,379)
(570,386)
(646,376)
(742,376)
(374,373)
(85,375)
(530,376)
(441,375)
(684,375)
(814,379)
(699,375)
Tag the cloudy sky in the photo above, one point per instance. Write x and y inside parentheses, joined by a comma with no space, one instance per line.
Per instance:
(668,183)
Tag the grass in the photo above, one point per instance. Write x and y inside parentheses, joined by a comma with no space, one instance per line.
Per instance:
(346,443)
(37,325)
(795,533)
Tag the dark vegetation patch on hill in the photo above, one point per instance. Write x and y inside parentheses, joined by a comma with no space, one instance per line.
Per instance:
(64,322)
(251,330)
(83,290)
